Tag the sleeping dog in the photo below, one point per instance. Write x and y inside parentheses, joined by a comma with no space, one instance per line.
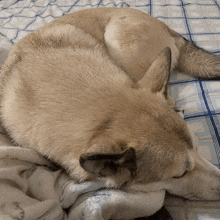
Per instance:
(89,92)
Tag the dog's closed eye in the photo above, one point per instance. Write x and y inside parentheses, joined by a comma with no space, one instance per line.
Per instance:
(177,177)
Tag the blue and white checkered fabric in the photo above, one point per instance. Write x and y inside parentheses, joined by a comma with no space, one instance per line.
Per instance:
(197,20)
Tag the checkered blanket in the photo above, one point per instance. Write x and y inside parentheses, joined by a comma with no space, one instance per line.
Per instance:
(197,20)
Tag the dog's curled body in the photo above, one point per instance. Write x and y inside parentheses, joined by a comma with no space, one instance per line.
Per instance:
(95,99)
(88,91)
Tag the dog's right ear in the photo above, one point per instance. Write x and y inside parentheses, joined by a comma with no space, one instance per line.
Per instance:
(157,76)
(107,164)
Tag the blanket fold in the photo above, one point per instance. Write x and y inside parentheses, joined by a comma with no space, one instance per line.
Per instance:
(31,189)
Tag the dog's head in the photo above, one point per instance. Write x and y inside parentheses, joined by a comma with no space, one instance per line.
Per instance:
(146,146)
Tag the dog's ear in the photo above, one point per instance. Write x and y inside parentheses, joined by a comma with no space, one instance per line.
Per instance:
(108,164)
(157,76)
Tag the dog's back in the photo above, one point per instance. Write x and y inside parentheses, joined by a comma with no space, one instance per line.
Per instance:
(71,84)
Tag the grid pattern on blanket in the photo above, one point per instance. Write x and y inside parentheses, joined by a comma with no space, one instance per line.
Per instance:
(197,20)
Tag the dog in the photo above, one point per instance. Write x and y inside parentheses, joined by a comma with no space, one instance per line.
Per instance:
(89,92)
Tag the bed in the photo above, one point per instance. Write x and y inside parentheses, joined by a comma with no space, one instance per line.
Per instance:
(196,20)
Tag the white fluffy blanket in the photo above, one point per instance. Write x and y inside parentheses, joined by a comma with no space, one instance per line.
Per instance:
(31,188)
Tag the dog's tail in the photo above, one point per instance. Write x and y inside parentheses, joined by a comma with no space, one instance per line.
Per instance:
(195,61)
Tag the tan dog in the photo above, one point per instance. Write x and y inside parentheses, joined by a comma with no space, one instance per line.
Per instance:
(88,91)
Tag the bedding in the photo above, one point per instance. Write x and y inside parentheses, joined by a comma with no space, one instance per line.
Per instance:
(39,184)
(32,188)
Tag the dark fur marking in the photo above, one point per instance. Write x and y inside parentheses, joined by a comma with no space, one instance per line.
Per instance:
(104,125)
(101,128)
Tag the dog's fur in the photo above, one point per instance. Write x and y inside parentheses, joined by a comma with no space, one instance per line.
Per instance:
(88,91)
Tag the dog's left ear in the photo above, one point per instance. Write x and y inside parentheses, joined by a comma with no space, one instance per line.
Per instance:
(108,164)
(157,76)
